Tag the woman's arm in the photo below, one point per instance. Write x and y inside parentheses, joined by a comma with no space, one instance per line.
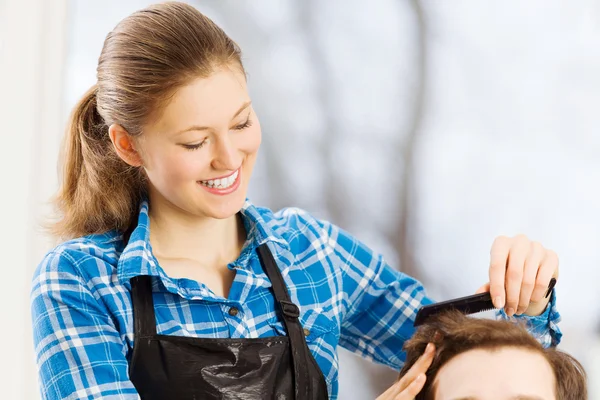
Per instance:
(383,302)
(380,302)
(80,353)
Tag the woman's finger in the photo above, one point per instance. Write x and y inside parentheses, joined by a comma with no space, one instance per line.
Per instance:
(498,259)
(419,367)
(532,264)
(514,273)
(548,269)
(483,289)
(413,389)
(405,390)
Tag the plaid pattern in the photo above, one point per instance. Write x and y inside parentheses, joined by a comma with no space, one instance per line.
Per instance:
(347,294)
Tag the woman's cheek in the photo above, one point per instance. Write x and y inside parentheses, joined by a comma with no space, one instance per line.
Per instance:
(250,143)
(184,167)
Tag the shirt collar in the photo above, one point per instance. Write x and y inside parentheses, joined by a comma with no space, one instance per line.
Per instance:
(257,228)
(137,258)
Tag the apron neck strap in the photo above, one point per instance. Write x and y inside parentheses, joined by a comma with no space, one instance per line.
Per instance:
(291,312)
(144,320)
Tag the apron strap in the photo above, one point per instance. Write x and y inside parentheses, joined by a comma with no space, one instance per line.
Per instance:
(144,321)
(291,312)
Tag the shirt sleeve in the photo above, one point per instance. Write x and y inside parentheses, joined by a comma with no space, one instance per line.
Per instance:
(543,327)
(383,303)
(79,352)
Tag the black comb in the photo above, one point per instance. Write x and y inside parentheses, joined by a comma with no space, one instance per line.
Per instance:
(467,305)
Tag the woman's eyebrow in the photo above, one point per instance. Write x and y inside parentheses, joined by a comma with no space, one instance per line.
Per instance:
(205,128)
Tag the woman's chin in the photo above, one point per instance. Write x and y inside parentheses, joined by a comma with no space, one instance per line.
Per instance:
(223,209)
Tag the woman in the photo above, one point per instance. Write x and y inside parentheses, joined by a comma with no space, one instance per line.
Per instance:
(480,359)
(171,284)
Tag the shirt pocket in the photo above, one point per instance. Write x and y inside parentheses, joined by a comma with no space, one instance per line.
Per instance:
(321,333)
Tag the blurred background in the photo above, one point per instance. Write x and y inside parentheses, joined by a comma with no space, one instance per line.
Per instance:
(425,128)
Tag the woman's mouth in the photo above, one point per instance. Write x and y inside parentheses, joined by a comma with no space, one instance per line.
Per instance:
(223,185)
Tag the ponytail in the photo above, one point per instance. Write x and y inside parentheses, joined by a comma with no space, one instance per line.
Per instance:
(99,191)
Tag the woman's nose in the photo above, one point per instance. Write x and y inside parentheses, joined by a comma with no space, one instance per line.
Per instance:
(225,156)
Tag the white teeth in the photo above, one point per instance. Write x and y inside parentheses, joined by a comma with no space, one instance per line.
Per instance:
(222,183)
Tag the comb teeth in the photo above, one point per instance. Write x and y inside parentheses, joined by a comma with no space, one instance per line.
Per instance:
(467,305)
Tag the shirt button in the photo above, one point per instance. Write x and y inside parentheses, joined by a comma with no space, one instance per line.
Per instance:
(306,332)
(233,311)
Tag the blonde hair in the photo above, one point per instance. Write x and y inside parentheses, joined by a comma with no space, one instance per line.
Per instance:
(144,60)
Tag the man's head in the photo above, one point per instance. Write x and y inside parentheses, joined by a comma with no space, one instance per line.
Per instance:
(481,359)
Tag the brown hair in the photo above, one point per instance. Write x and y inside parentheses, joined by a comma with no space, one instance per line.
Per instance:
(454,333)
(144,60)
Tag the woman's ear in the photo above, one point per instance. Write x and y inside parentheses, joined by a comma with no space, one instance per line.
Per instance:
(124,145)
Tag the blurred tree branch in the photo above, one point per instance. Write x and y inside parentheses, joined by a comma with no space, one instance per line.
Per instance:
(333,191)
(401,237)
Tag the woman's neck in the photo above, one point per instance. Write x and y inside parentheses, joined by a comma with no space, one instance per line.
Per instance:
(210,242)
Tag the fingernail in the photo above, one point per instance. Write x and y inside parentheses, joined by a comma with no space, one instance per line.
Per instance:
(429,348)
(510,312)
(498,302)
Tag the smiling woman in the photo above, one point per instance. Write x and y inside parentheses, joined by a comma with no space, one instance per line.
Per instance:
(200,149)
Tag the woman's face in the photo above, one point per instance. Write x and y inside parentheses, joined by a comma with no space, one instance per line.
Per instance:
(507,373)
(200,153)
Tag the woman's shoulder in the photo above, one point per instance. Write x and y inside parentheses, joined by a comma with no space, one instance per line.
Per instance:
(288,218)
(81,257)
(294,223)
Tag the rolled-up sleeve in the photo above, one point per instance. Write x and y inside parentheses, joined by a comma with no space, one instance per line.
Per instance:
(543,327)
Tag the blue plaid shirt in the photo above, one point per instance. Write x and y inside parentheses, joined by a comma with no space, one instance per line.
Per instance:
(347,294)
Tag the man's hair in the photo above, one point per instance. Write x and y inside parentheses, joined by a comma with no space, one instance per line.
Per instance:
(454,333)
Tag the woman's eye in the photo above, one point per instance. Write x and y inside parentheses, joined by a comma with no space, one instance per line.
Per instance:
(240,127)
(245,125)
(194,146)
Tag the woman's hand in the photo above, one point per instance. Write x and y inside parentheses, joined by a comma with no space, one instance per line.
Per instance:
(520,271)
(412,382)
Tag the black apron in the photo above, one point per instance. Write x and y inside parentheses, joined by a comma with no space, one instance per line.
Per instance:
(166,367)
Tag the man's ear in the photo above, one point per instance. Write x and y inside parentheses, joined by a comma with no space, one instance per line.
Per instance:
(124,145)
